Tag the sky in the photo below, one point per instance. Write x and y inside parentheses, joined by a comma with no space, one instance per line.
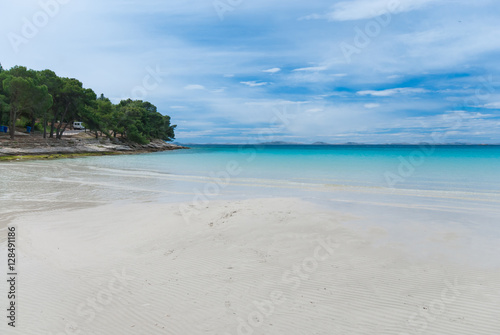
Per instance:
(251,71)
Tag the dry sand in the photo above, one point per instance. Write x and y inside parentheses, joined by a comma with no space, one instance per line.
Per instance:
(262,266)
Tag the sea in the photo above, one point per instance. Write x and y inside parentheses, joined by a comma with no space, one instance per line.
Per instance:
(253,170)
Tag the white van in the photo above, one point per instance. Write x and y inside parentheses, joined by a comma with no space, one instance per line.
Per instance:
(78,126)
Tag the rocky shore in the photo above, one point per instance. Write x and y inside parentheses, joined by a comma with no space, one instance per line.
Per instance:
(74,146)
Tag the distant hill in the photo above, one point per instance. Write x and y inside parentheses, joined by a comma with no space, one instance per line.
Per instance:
(284,143)
(279,143)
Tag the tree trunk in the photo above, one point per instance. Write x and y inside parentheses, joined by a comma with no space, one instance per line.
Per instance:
(12,126)
(33,120)
(53,125)
(62,131)
(45,124)
(58,134)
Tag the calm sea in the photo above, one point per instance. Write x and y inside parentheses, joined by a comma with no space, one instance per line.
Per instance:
(470,168)
(244,171)
(413,192)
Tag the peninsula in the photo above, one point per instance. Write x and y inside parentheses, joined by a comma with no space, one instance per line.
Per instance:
(43,115)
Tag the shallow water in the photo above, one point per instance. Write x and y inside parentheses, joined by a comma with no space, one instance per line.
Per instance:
(437,189)
(442,171)
(420,167)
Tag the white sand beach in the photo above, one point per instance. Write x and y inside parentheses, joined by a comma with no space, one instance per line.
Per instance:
(257,266)
(239,167)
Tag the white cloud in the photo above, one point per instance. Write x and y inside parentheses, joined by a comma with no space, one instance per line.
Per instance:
(393,91)
(450,44)
(194,87)
(273,70)
(467,115)
(371,105)
(367,9)
(312,17)
(312,68)
(273,103)
(492,105)
(193,134)
(253,83)
(314,110)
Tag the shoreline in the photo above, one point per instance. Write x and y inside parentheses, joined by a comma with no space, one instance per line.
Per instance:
(28,157)
(37,148)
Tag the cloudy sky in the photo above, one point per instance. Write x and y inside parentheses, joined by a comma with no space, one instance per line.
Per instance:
(246,71)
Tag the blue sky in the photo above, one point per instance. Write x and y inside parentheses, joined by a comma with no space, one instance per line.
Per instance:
(241,71)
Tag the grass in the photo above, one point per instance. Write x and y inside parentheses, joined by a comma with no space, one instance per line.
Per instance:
(55,156)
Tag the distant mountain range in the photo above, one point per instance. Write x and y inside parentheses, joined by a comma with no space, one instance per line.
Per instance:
(330,144)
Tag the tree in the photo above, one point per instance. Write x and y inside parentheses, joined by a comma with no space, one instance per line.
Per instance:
(168,130)
(20,91)
(1,68)
(105,110)
(71,98)
(131,112)
(143,122)
(118,121)
(91,120)
(4,109)
(4,100)
(43,95)
(40,104)
(23,72)
(53,83)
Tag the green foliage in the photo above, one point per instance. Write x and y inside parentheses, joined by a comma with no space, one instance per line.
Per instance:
(38,127)
(22,122)
(20,93)
(135,135)
(142,118)
(41,102)
(40,97)
(4,109)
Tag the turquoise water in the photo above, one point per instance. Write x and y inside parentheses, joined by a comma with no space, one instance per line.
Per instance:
(397,188)
(449,168)
(456,176)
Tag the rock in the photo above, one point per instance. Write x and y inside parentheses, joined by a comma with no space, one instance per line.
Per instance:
(37,146)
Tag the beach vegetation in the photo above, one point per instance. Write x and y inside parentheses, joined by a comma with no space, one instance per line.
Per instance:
(51,104)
